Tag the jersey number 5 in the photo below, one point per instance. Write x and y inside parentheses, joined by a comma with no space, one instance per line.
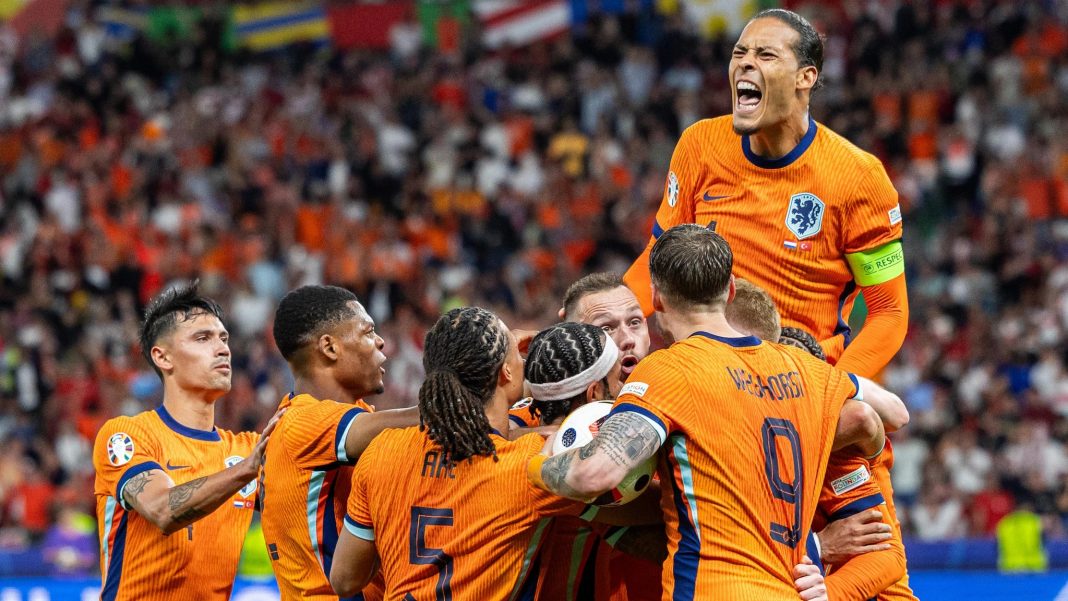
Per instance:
(420,554)
(789,492)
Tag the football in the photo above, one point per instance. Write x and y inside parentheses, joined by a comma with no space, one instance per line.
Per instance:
(579,428)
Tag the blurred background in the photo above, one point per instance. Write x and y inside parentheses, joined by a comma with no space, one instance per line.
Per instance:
(432,154)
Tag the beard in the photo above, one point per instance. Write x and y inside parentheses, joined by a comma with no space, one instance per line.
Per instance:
(744,130)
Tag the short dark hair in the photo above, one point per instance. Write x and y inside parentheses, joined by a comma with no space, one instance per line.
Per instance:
(753,310)
(462,356)
(167,310)
(306,313)
(591,284)
(803,340)
(557,353)
(809,46)
(691,266)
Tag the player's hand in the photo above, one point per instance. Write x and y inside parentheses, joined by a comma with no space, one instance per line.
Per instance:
(523,338)
(809,581)
(862,533)
(254,461)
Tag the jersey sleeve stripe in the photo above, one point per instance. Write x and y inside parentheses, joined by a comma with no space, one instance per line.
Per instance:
(114,573)
(657,230)
(130,472)
(528,557)
(361,531)
(688,555)
(315,487)
(518,421)
(859,396)
(649,416)
(858,506)
(343,426)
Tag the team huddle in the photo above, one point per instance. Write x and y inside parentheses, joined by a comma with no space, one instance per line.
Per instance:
(767,435)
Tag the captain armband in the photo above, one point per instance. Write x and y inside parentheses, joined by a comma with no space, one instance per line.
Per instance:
(877,265)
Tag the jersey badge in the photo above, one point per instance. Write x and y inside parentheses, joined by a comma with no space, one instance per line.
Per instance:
(246,490)
(673,189)
(638,389)
(120,449)
(804,216)
(894,214)
(851,480)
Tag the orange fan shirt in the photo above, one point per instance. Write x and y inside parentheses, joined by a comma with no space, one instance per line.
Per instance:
(790,221)
(139,562)
(747,428)
(438,526)
(306,480)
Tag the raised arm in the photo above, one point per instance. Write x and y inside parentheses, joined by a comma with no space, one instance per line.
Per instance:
(171,507)
(890,408)
(625,440)
(368,425)
(859,425)
(884,329)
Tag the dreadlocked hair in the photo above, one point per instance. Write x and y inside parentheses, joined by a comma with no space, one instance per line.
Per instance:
(802,340)
(557,353)
(462,355)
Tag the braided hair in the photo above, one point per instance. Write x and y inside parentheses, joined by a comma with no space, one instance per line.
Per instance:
(557,353)
(802,340)
(463,354)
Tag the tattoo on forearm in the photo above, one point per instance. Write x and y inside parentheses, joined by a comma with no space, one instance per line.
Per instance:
(626,439)
(554,474)
(134,487)
(179,497)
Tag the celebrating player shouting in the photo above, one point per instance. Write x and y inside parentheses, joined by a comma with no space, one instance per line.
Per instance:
(813,219)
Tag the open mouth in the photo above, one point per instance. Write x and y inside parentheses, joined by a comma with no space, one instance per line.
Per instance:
(627,365)
(749,96)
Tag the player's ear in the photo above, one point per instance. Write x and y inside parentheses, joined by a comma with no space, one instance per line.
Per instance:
(328,346)
(161,358)
(731,290)
(658,301)
(505,375)
(806,78)
(594,392)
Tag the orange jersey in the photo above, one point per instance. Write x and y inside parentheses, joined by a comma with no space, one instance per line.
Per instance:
(306,480)
(137,561)
(790,222)
(434,523)
(520,415)
(850,488)
(747,428)
(880,470)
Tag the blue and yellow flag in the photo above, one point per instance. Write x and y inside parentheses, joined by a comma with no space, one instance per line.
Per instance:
(273,25)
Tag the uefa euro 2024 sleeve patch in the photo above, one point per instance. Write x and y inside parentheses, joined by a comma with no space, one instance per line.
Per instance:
(804,215)
(120,449)
(672,189)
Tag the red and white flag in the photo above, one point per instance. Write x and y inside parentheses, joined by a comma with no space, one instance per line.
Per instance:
(516,23)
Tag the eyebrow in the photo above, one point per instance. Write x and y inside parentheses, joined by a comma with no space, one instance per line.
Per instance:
(758,49)
(209,332)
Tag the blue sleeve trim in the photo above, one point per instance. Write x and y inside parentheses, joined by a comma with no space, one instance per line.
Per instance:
(858,506)
(856,383)
(657,230)
(343,426)
(361,531)
(130,472)
(656,422)
(515,419)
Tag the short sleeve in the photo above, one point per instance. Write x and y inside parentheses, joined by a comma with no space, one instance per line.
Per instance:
(314,434)
(358,509)
(657,391)
(874,215)
(123,449)
(849,487)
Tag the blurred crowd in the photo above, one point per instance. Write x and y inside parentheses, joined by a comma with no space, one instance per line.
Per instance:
(424,180)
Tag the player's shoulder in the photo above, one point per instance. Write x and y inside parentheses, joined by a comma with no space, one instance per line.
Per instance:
(846,151)
(144,424)
(238,440)
(711,128)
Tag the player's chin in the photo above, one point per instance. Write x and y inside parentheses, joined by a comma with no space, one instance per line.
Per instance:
(745,125)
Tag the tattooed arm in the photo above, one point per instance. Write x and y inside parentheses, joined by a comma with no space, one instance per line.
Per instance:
(172,507)
(624,441)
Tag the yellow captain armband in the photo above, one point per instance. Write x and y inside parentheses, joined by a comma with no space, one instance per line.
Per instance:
(877,265)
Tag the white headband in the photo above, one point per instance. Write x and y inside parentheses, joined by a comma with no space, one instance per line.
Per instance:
(569,387)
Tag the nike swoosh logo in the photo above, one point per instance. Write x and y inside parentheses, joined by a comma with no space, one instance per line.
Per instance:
(176,467)
(708,198)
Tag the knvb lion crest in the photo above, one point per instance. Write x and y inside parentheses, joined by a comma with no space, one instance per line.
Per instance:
(804,217)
